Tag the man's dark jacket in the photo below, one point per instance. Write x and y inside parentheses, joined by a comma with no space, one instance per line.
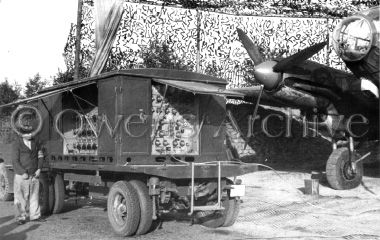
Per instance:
(26,160)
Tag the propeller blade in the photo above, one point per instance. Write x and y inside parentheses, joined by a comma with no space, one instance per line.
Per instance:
(252,49)
(295,59)
(298,71)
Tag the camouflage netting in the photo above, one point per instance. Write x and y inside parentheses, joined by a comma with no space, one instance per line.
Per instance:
(203,33)
(295,8)
(202,38)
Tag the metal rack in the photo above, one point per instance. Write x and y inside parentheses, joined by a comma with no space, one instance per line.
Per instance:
(218,205)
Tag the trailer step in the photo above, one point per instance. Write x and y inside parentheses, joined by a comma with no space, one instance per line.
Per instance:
(208,208)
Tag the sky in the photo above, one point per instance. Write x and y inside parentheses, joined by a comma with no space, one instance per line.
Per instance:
(33,34)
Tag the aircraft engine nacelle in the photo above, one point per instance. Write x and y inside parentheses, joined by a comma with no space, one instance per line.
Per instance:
(265,75)
(356,41)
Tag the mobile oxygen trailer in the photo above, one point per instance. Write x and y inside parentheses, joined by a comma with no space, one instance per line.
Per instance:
(151,140)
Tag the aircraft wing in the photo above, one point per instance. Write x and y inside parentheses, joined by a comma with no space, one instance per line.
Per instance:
(284,97)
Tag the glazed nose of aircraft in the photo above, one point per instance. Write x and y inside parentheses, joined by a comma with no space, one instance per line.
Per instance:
(265,75)
(352,38)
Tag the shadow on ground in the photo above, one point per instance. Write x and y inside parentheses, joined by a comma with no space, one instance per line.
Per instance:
(72,204)
(6,230)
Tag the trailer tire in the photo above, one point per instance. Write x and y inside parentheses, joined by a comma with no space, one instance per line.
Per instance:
(146,206)
(59,193)
(51,196)
(338,172)
(233,213)
(44,194)
(215,219)
(5,188)
(123,208)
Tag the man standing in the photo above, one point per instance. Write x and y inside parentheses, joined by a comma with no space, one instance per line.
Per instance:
(27,158)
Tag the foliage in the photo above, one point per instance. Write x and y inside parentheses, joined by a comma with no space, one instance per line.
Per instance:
(8,94)
(63,77)
(34,85)
(213,69)
(160,55)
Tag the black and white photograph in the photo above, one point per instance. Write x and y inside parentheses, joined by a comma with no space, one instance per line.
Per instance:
(189,119)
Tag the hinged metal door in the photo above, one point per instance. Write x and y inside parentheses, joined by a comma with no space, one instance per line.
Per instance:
(136,108)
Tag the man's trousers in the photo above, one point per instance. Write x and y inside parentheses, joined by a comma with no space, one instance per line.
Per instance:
(26,197)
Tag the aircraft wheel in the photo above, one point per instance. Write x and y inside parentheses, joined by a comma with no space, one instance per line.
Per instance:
(123,208)
(59,193)
(146,206)
(5,188)
(339,173)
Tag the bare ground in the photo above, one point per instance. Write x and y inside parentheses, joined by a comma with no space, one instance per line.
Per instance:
(274,208)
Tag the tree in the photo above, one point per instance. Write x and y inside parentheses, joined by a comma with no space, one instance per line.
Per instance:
(63,77)
(8,94)
(34,85)
(160,55)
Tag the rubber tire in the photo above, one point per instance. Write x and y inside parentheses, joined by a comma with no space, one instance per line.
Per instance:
(226,217)
(220,218)
(5,194)
(51,196)
(233,213)
(334,170)
(129,227)
(59,193)
(146,206)
(44,194)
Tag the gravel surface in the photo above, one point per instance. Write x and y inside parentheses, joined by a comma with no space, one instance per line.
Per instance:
(274,208)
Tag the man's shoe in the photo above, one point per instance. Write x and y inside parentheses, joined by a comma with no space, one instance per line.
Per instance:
(40,219)
(20,221)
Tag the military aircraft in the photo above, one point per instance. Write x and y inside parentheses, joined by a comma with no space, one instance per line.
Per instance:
(347,104)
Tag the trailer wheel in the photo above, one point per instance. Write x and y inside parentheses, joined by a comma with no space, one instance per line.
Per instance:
(123,208)
(51,196)
(44,194)
(339,173)
(59,193)
(233,213)
(5,188)
(146,206)
(223,218)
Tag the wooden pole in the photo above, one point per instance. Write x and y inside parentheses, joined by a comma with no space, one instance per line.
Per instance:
(77,40)
(198,59)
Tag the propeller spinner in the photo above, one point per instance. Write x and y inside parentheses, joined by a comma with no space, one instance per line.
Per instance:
(270,73)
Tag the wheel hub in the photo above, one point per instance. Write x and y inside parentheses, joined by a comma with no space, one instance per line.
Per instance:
(121,209)
(348,172)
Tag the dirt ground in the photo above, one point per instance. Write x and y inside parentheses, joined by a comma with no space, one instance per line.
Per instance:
(274,207)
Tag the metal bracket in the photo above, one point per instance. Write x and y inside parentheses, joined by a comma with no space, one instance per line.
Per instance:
(218,205)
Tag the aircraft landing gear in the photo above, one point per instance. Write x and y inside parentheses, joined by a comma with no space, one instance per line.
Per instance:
(343,170)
